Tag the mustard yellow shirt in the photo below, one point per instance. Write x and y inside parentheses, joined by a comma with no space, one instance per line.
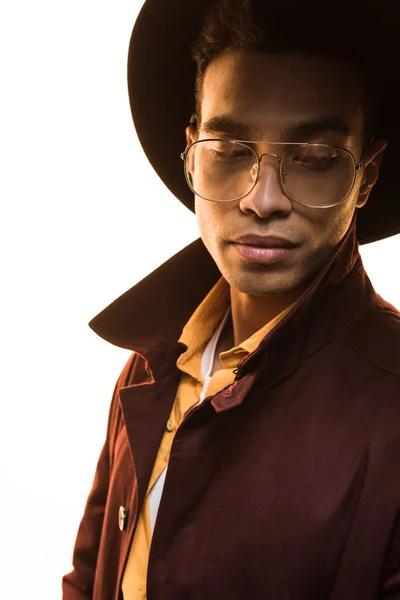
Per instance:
(195,335)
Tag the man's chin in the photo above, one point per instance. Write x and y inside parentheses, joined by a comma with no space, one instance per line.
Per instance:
(265,284)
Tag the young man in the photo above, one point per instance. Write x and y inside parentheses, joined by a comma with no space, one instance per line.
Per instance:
(253,446)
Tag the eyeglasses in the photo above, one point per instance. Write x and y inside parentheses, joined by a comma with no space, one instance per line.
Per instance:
(313,175)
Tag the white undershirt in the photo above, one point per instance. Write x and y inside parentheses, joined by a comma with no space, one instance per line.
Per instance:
(207,361)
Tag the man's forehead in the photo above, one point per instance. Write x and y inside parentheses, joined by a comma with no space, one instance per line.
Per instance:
(281,78)
(245,93)
(281,66)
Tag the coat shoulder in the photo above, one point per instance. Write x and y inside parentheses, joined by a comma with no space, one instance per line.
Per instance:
(376,337)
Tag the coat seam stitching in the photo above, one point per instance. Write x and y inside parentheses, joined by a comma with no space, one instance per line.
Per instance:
(368,361)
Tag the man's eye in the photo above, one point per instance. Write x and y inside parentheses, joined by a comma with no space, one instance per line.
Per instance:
(315,162)
(232,156)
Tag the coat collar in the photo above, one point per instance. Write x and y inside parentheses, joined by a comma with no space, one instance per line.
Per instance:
(156,309)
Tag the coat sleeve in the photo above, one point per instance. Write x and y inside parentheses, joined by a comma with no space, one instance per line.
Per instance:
(78,584)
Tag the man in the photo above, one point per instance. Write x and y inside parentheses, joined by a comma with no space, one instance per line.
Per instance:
(253,445)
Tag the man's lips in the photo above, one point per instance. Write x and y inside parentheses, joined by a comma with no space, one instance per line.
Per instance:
(264,249)
(267,241)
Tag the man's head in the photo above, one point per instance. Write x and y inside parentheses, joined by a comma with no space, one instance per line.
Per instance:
(258,80)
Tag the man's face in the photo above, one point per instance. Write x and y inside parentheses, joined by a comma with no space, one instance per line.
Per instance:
(268,96)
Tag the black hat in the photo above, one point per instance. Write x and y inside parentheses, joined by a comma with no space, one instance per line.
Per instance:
(161,81)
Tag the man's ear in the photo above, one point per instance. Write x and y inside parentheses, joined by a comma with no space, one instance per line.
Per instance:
(189,135)
(372,164)
(191,131)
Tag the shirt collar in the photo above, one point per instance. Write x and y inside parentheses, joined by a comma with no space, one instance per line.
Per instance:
(204,322)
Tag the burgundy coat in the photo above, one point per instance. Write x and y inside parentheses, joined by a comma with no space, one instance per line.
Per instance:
(283,486)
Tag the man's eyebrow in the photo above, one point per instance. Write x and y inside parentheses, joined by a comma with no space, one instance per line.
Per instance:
(299,132)
(226,126)
(308,128)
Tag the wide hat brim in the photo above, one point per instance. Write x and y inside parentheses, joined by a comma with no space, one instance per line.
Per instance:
(161,79)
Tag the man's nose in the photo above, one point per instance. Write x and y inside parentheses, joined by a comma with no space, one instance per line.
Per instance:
(267,196)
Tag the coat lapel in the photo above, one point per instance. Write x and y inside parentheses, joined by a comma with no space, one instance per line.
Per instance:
(146,408)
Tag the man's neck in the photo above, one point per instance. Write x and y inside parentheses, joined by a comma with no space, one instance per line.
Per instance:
(251,313)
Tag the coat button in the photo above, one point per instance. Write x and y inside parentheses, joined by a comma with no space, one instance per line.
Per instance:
(170,425)
(122,518)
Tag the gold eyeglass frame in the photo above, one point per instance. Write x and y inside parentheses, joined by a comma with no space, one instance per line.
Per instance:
(357,166)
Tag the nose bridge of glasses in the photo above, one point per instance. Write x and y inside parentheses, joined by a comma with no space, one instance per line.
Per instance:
(256,171)
(273,162)
(261,156)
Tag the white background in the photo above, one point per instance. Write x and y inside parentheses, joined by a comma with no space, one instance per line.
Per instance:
(83,218)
